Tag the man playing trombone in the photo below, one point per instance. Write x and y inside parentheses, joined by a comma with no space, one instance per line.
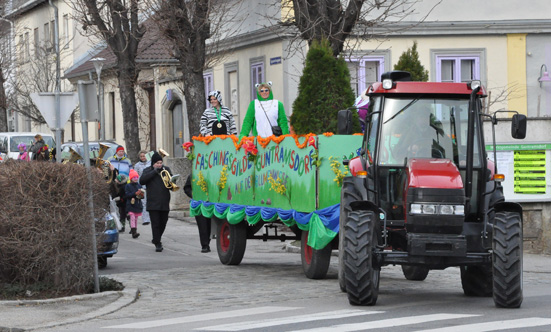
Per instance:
(156,178)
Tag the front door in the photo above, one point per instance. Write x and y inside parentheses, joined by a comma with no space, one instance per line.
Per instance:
(177,131)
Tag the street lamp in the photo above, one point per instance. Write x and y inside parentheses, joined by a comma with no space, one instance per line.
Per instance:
(98,64)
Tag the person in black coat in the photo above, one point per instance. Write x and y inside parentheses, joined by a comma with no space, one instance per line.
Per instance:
(203,223)
(158,198)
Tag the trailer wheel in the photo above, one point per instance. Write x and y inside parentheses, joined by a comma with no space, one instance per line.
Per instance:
(348,195)
(476,280)
(417,273)
(231,242)
(315,263)
(507,260)
(362,276)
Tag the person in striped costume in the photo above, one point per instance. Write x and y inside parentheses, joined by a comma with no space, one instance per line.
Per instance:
(218,119)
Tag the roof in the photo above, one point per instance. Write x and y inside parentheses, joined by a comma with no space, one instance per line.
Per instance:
(154,48)
(425,88)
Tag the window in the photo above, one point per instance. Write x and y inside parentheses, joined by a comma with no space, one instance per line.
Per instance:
(457,68)
(208,78)
(257,76)
(52,35)
(364,71)
(47,44)
(27,47)
(66,31)
(36,42)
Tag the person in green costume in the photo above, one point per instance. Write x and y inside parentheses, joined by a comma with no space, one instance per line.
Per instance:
(264,113)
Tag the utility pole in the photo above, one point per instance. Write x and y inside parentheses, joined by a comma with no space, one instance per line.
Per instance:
(57,89)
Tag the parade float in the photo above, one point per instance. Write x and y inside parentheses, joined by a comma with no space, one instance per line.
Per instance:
(257,183)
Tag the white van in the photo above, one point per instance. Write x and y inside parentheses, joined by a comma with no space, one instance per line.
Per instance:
(9,142)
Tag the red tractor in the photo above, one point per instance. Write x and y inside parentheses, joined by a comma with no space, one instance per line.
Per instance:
(424,195)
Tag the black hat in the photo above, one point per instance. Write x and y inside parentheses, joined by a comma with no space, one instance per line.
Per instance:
(155,158)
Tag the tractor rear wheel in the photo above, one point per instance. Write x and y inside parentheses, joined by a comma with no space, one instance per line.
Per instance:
(360,241)
(315,263)
(476,280)
(417,273)
(348,194)
(231,241)
(507,260)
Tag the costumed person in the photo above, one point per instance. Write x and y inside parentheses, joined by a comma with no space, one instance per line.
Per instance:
(120,162)
(218,119)
(39,149)
(362,104)
(203,223)
(133,196)
(158,200)
(23,154)
(142,164)
(265,115)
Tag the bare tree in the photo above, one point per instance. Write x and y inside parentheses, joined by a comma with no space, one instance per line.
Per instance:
(116,22)
(336,20)
(5,65)
(188,25)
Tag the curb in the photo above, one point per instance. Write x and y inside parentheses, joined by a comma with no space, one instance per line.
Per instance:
(125,298)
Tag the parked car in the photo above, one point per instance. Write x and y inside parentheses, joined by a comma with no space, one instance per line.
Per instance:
(10,140)
(93,147)
(108,243)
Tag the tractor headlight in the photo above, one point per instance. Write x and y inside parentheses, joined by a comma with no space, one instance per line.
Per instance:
(442,209)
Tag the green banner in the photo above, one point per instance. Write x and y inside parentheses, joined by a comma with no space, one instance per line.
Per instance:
(281,175)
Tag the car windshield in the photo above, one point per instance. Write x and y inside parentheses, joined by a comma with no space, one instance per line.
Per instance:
(425,128)
(29,140)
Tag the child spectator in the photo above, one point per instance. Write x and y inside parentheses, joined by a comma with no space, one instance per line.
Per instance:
(134,207)
(23,154)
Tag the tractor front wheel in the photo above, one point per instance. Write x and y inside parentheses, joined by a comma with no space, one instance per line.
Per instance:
(231,241)
(315,263)
(507,260)
(360,242)
(476,280)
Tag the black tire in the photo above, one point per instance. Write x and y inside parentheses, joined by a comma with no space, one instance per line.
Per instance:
(360,241)
(507,260)
(315,263)
(231,242)
(416,273)
(102,262)
(477,280)
(348,195)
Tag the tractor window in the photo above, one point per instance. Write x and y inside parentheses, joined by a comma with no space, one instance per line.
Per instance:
(372,125)
(425,128)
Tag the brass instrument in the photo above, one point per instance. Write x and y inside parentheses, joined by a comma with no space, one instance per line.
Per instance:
(163,153)
(74,157)
(104,165)
(169,181)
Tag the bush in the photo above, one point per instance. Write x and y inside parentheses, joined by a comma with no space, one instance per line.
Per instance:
(324,89)
(45,226)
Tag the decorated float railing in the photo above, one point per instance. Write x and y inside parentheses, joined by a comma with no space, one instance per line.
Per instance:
(295,179)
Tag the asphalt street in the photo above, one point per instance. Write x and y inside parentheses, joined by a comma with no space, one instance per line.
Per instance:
(181,288)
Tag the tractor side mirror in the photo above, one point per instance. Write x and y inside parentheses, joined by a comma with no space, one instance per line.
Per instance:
(344,122)
(518,126)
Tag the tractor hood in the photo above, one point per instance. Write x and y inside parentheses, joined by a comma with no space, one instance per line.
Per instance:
(433,173)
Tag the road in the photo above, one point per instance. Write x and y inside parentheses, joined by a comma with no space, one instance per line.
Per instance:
(185,290)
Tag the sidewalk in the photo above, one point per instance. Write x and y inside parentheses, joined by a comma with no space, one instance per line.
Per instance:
(41,314)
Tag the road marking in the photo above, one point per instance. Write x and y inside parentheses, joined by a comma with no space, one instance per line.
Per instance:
(387,323)
(263,323)
(495,326)
(200,318)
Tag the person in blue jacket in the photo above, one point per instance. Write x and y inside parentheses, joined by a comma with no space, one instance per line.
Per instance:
(120,162)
